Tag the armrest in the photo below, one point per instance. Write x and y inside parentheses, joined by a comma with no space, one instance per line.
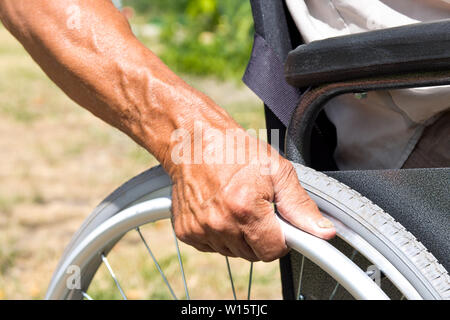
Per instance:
(413,48)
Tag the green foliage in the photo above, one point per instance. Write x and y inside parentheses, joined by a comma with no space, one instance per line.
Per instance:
(203,37)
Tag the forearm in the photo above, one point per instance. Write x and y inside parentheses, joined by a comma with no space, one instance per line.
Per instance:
(87,48)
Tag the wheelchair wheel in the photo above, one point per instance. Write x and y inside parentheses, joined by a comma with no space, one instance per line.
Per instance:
(377,257)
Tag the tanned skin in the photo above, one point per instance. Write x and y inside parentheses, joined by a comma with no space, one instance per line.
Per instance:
(88,49)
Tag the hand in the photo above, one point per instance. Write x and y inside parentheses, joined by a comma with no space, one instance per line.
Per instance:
(228,207)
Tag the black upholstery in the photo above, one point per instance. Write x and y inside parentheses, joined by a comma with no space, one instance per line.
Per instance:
(417,198)
(413,48)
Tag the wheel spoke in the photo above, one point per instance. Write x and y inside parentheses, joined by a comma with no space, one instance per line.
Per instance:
(156,264)
(231,278)
(111,272)
(250,276)
(180,261)
(85,295)
(333,293)
(299,286)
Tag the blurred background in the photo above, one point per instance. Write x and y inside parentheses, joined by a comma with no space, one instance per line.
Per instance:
(57,161)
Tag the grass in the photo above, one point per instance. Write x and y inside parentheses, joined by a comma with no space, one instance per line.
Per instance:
(7,203)
(8,255)
(57,162)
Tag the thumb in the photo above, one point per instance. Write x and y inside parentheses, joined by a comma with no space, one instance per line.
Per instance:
(294,204)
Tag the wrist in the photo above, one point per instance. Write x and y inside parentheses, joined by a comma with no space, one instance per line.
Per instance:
(184,134)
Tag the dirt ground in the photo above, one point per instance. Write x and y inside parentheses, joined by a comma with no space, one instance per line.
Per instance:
(57,162)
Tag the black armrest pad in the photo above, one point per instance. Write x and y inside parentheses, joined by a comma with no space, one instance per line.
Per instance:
(412,48)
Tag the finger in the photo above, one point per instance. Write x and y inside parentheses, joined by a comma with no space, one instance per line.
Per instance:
(239,247)
(222,249)
(203,247)
(226,237)
(294,204)
(264,235)
(185,236)
(215,240)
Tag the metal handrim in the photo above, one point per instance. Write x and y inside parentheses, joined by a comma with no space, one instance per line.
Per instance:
(343,269)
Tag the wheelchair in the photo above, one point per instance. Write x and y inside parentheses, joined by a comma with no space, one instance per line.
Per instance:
(393,246)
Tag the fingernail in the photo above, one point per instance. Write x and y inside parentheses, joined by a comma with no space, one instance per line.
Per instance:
(325,223)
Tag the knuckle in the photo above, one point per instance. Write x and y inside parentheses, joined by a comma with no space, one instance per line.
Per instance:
(239,198)
(268,258)
(251,233)
(267,240)
(273,255)
(300,204)
(285,177)
(216,224)
(241,209)
(286,172)
(297,203)
(243,215)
